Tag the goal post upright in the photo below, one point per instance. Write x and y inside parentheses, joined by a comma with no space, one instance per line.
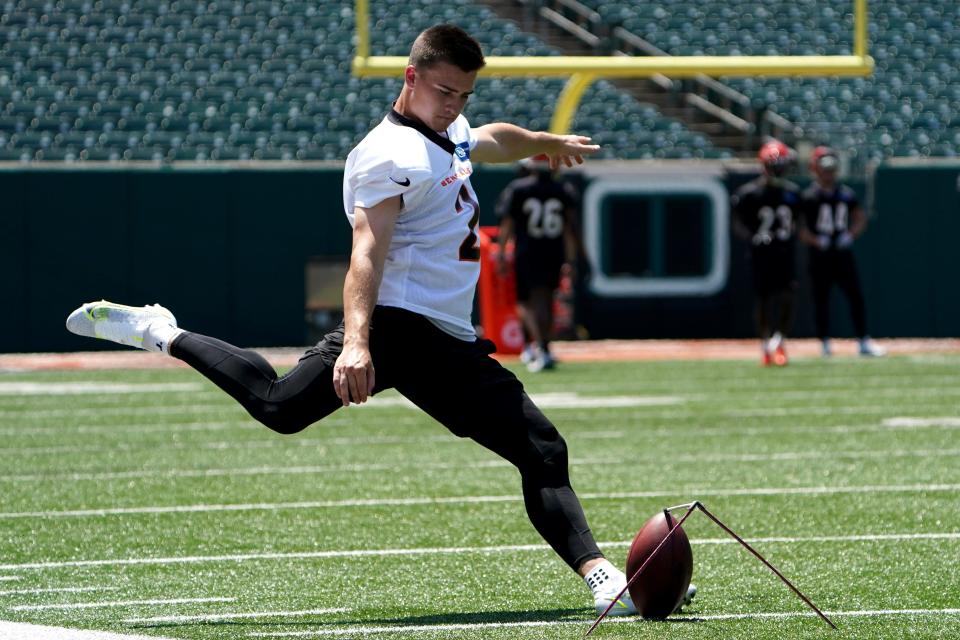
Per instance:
(582,71)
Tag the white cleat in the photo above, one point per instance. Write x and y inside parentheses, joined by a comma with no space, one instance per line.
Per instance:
(125,325)
(687,599)
(528,355)
(623,607)
(871,349)
(606,581)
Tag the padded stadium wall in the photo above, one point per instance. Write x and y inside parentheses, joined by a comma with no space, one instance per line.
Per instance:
(226,249)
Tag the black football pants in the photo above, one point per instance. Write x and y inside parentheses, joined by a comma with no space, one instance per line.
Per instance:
(836,267)
(454,381)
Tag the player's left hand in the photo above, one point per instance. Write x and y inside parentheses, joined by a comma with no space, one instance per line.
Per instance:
(570,149)
(845,240)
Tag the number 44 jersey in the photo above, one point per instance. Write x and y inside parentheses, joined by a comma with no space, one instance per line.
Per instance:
(433,262)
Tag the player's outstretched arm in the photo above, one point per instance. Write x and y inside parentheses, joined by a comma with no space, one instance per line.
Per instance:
(503,142)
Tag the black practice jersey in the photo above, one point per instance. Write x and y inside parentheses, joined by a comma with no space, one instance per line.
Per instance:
(539,207)
(827,213)
(768,211)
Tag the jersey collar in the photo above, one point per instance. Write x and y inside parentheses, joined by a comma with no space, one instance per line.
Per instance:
(444,143)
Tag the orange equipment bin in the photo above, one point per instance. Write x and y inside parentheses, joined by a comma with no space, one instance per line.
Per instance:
(498,296)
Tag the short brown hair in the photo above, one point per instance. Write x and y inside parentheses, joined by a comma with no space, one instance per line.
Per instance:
(446,43)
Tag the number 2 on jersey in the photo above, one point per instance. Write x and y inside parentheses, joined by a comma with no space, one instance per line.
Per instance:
(469,250)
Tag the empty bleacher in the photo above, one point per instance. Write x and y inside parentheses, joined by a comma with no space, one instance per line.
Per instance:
(145,80)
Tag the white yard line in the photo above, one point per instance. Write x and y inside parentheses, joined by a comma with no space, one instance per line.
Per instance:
(549,400)
(423,551)
(888,424)
(904,422)
(163,474)
(9,578)
(18,592)
(99,388)
(22,631)
(117,603)
(362,631)
(403,502)
(210,617)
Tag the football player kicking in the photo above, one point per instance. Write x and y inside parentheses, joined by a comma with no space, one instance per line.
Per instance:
(409,291)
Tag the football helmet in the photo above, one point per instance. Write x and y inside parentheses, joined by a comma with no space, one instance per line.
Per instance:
(824,158)
(775,157)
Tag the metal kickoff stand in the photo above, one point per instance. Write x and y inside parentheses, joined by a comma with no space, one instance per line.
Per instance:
(690,509)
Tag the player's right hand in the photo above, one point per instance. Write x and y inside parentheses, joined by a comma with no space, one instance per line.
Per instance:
(353,374)
(570,149)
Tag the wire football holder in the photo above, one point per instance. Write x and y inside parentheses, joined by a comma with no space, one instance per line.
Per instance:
(691,507)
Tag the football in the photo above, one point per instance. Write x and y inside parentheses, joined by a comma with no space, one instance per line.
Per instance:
(663,583)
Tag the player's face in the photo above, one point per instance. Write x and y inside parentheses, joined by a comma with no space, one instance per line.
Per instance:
(440,93)
(826,177)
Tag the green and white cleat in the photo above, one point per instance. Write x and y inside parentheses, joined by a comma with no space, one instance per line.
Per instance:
(606,581)
(146,327)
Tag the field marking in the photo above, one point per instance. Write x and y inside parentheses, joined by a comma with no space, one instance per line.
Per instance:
(116,603)
(546,400)
(23,631)
(9,578)
(904,422)
(304,442)
(846,409)
(210,617)
(422,551)
(422,628)
(102,388)
(164,474)
(242,424)
(402,502)
(24,592)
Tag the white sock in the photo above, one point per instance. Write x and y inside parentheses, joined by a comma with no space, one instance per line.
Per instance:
(159,335)
(605,578)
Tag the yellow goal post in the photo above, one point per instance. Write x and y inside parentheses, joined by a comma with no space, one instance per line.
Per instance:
(582,71)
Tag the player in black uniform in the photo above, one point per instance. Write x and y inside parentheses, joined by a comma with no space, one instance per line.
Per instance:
(763,214)
(832,219)
(539,212)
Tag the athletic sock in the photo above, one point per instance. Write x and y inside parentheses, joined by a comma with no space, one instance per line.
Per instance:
(605,578)
(159,335)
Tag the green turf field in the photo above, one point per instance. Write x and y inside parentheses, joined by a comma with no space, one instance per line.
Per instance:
(147,503)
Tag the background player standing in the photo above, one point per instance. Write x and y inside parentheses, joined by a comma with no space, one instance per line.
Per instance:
(832,219)
(764,210)
(539,212)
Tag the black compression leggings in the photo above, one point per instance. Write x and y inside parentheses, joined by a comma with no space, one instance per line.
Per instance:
(458,384)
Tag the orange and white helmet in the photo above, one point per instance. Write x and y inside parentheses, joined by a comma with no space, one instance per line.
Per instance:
(824,158)
(775,157)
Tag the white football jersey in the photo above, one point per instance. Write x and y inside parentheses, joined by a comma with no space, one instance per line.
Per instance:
(433,262)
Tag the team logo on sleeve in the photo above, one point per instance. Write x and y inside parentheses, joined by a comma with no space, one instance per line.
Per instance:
(463,150)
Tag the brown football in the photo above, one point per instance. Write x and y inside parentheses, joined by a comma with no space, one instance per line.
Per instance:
(663,584)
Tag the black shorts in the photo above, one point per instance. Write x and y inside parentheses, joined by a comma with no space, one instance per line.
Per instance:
(773,270)
(445,376)
(533,272)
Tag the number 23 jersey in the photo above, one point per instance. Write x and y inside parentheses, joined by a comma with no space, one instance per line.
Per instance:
(433,261)
(768,211)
